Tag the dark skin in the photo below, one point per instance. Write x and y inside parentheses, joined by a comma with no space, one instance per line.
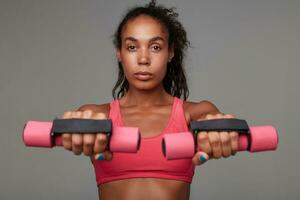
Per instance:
(147,106)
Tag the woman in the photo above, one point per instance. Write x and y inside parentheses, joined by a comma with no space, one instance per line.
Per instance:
(150,45)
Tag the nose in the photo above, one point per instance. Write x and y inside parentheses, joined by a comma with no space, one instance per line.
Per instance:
(143,57)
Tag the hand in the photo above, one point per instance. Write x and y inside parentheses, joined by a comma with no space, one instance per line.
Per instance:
(88,143)
(213,144)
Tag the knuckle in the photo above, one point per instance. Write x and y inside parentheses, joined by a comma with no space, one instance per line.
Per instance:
(225,139)
(102,138)
(214,142)
(73,114)
(219,115)
(229,116)
(66,114)
(214,138)
(66,136)
(77,114)
(99,116)
(202,136)
(234,135)
(67,141)
(88,143)
(88,139)
(87,113)
(208,116)
(77,143)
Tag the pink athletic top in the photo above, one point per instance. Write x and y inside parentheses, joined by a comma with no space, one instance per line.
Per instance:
(149,161)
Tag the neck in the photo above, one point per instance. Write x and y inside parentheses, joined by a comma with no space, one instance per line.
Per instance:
(146,98)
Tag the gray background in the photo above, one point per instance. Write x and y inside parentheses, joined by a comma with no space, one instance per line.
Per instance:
(58,55)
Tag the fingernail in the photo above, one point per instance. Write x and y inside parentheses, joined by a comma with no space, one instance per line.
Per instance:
(99,156)
(202,158)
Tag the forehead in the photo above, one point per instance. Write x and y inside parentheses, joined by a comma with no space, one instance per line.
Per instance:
(144,27)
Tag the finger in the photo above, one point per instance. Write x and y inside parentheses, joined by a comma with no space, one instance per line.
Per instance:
(203,143)
(88,138)
(100,143)
(214,140)
(77,114)
(200,158)
(225,143)
(209,116)
(218,116)
(86,114)
(77,143)
(66,137)
(101,138)
(88,144)
(234,138)
(106,155)
(67,115)
(229,116)
(99,116)
(77,139)
(67,141)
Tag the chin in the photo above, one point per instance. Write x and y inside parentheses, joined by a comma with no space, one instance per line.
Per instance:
(146,85)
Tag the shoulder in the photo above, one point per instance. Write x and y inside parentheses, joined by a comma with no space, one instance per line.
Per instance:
(101,108)
(198,110)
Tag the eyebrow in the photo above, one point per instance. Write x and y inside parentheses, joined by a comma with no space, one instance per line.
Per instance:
(151,40)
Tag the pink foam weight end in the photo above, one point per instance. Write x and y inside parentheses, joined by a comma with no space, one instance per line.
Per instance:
(38,134)
(124,139)
(263,138)
(179,145)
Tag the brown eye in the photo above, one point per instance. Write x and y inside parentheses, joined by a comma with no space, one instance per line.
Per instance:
(131,48)
(156,48)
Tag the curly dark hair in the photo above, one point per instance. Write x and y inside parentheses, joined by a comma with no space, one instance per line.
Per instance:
(174,81)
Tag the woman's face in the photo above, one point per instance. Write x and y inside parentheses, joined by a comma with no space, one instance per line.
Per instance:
(144,52)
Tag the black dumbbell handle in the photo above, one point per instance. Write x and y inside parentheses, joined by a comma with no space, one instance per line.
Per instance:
(238,125)
(81,126)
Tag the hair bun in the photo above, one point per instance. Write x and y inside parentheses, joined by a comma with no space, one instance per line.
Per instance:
(152,4)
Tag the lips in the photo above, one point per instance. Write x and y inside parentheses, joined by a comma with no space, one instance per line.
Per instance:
(143,76)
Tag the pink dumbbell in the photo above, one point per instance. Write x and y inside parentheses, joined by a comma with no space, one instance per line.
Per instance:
(252,139)
(48,134)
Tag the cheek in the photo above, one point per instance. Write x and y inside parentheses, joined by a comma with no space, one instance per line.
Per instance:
(160,64)
(128,63)
(164,73)
(160,59)
(128,59)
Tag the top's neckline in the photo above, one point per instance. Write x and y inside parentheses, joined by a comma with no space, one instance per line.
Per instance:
(165,127)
